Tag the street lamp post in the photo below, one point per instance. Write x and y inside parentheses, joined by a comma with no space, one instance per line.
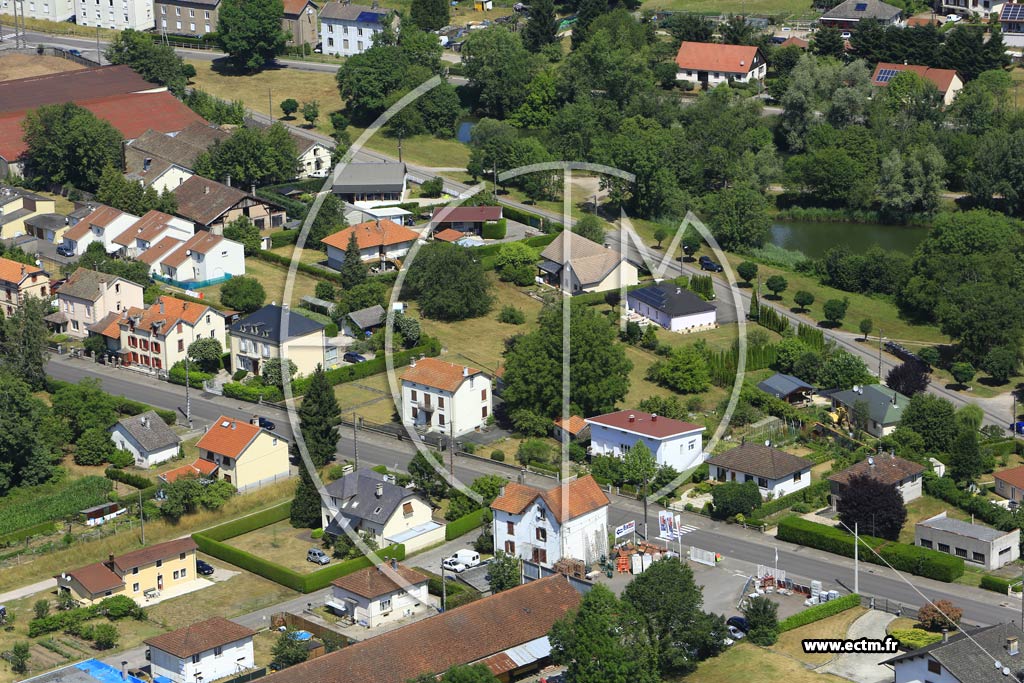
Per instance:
(880,354)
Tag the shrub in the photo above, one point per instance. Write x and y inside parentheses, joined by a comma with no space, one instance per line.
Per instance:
(498,455)
(494,230)
(939,615)
(239,375)
(105,636)
(196,377)
(996,583)
(510,315)
(254,393)
(316,534)
(819,612)
(432,188)
(131,478)
(914,638)
(465,524)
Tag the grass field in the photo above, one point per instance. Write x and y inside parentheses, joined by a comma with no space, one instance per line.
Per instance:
(281,543)
(272,277)
(370,398)
(755,7)
(744,661)
(24,66)
(790,642)
(923,508)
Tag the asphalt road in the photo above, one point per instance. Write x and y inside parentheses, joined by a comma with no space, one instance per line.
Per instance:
(979,606)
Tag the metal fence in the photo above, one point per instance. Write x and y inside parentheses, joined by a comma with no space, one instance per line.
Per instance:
(190,285)
(887,605)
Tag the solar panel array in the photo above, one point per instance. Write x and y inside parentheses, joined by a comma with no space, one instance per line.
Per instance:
(860,7)
(369,17)
(886,75)
(1012,12)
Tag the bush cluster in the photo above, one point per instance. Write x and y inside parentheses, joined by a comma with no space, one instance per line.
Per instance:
(819,612)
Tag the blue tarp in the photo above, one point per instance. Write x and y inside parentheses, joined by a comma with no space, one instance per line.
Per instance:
(162,679)
(104,673)
(303,635)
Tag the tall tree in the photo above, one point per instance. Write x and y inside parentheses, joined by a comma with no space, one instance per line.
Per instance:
(689,27)
(245,232)
(965,461)
(24,343)
(442,296)
(68,144)
(353,270)
(251,156)
(329,220)
(828,42)
(604,641)
(587,11)
(541,27)
(156,62)
(908,378)
(671,603)
(761,613)
(430,15)
(319,417)
(30,436)
(504,572)
(288,650)
(739,216)
(250,32)
(305,508)
(874,505)
(499,70)
(934,419)
(242,293)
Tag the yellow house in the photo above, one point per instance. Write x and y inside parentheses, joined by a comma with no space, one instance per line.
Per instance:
(137,574)
(18,281)
(260,336)
(17,205)
(246,455)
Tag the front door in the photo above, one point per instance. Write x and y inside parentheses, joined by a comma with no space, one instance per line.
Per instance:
(159,582)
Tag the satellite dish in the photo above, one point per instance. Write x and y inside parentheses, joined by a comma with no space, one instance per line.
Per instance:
(999,665)
(1006,671)
(39,264)
(767,442)
(871,460)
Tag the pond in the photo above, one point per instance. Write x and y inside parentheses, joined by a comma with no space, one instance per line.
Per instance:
(814,239)
(464,130)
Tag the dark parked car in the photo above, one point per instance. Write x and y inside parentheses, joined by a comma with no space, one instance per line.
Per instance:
(707,264)
(267,424)
(352,357)
(65,251)
(77,53)
(204,567)
(738,622)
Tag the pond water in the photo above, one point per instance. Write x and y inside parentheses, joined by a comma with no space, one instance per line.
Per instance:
(814,239)
(465,128)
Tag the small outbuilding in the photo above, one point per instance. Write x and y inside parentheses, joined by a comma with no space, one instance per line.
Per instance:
(787,387)
(974,543)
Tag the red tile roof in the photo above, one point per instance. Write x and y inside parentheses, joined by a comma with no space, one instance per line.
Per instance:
(146,228)
(201,243)
(200,637)
(101,217)
(196,469)
(438,374)
(583,496)
(156,251)
(449,235)
(131,114)
(15,271)
(292,8)
(941,78)
(716,57)
(374,582)
(149,555)
(884,468)
(96,578)
(463,635)
(167,311)
(1014,476)
(372,234)
(108,326)
(798,42)
(574,425)
(70,86)
(228,436)
(644,423)
(466,214)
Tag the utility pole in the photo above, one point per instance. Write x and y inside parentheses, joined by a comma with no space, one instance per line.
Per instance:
(270,106)
(444,588)
(451,448)
(355,439)
(188,397)
(879,355)
(856,559)
(400,131)
(99,59)
(142,519)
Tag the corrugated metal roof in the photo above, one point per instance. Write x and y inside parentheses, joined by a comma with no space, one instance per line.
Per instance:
(530,652)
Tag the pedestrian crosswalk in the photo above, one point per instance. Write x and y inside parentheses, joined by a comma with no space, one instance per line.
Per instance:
(678,531)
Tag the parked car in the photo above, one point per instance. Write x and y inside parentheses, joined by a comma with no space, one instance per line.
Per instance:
(953,18)
(707,264)
(845,35)
(453,565)
(317,556)
(77,53)
(267,424)
(735,633)
(65,251)
(470,558)
(204,567)
(739,622)
(352,357)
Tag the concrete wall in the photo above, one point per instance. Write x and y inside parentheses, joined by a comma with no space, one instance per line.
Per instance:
(584,537)
(988,554)
(400,521)
(684,323)
(713,78)
(1009,492)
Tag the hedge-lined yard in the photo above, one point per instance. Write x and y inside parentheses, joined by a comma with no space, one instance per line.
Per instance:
(465,524)
(905,558)
(819,612)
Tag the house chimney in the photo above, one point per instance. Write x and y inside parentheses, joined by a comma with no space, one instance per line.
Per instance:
(227,181)
(501,492)
(412,363)
(465,371)
(632,417)
(162,309)
(206,189)
(232,424)
(252,188)
(945,635)
(1012,646)
(380,489)
(145,422)
(654,417)
(110,559)
(394,565)
(255,420)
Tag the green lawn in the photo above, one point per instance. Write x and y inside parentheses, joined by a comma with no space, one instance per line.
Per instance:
(790,643)
(280,543)
(272,277)
(923,508)
(370,398)
(754,7)
(424,150)
(746,662)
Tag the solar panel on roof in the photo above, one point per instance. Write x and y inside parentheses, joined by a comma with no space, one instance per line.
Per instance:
(1012,12)
(860,7)
(886,75)
(369,17)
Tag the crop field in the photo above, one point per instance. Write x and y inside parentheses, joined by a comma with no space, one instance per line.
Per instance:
(24,508)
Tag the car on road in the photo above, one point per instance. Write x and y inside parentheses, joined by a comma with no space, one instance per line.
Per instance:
(738,622)
(352,357)
(77,53)
(707,264)
(735,633)
(65,251)
(453,565)
(264,423)
(204,567)
(953,18)
(317,556)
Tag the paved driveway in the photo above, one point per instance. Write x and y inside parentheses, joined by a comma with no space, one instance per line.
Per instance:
(864,667)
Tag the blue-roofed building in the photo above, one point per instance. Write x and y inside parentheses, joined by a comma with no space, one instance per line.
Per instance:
(672,307)
(347,30)
(87,671)
(787,387)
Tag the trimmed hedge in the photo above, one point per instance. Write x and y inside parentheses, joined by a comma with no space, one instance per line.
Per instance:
(915,638)
(282,238)
(945,489)
(906,558)
(349,373)
(531,219)
(257,565)
(196,378)
(131,478)
(819,612)
(244,525)
(322,578)
(253,394)
(998,584)
(494,230)
(464,524)
(805,495)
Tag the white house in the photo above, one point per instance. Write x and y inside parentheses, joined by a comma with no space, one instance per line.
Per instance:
(569,520)
(381,243)
(150,229)
(776,472)
(445,397)
(674,443)
(104,224)
(367,502)
(379,595)
(576,265)
(205,256)
(146,437)
(975,543)
(672,307)
(56,10)
(135,14)
(347,30)
(204,651)
(905,475)
(710,64)
(962,659)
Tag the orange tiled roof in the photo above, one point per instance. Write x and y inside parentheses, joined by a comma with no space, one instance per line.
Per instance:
(372,234)
(574,425)
(716,57)
(168,311)
(449,235)
(438,374)
(798,42)
(15,271)
(196,469)
(152,553)
(228,436)
(584,495)
(1014,477)
(96,578)
(155,251)
(941,78)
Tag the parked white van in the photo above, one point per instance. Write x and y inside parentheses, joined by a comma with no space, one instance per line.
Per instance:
(470,558)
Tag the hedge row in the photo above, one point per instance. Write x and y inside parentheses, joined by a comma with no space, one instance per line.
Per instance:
(464,524)
(253,393)
(131,478)
(349,373)
(819,612)
(322,578)
(243,525)
(805,495)
(999,585)
(906,558)
(147,493)
(308,268)
(597,298)
(29,531)
(532,219)
(494,230)
(294,208)
(914,638)
(282,238)
(945,489)
(493,249)
(196,378)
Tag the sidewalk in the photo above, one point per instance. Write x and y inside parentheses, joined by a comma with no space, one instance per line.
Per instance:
(26,591)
